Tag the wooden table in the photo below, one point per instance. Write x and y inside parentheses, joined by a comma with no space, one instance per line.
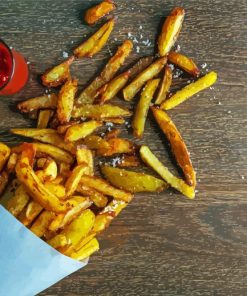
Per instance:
(162,244)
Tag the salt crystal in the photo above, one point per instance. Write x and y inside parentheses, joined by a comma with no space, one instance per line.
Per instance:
(204,65)
(141,36)
(242,177)
(11,47)
(109,124)
(115,39)
(199,180)
(178,48)
(211,87)
(129,34)
(171,66)
(72,42)
(115,161)
(28,62)
(102,134)
(219,103)
(146,42)
(138,49)
(65,54)
(140,27)
(196,191)
(149,44)
(229,112)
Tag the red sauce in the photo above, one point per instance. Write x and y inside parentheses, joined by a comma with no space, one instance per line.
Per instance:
(6,65)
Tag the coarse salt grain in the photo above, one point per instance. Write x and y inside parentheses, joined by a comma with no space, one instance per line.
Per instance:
(138,49)
(140,27)
(204,65)
(65,54)
(229,112)
(242,177)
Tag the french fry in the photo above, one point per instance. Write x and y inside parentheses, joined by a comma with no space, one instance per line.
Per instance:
(129,161)
(34,186)
(84,241)
(139,120)
(58,241)
(189,90)
(29,213)
(64,170)
(140,66)
(115,120)
(96,42)
(150,72)
(18,202)
(170,30)
(99,112)
(44,117)
(74,179)
(4,179)
(85,156)
(95,13)
(45,135)
(4,155)
(57,189)
(57,75)
(165,85)
(132,181)
(178,146)
(183,62)
(111,68)
(61,129)
(49,171)
(41,224)
(96,142)
(65,101)
(12,162)
(113,134)
(42,102)
(117,146)
(99,199)
(86,251)
(113,87)
(82,130)
(151,160)
(105,188)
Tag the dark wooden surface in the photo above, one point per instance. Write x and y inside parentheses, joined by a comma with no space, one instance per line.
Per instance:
(162,244)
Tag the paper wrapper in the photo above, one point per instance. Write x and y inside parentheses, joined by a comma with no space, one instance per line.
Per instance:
(27,264)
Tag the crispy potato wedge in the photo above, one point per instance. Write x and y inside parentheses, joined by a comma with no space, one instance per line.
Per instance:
(29,213)
(96,42)
(140,66)
(61,129)
(85,156)
(34,186)
(96,12)
(43,102)
(132,181)
(113,134)
(111,68)
(151,160)
(65,101)
(18,202)
(84,241)
(82,130)
(170,30)
(57,75)
(164,86)
(86,251)
(99,112)
(113,87)
(105,188)
(141,112)
(99,199)
(178,146)
(117,146)
(129,161)
(150,72)
(74,179)
(45,135)
(4,155)
(44,117)
(13,158)
(184,62)
(41,224)
(4,179)
(49,171)
(58,241)
(189,90)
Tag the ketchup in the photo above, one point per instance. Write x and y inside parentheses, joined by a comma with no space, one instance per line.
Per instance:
(6,65)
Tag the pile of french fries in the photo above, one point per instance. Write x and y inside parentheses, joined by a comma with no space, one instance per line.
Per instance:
(58,196)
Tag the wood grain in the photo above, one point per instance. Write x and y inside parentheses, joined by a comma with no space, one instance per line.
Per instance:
(162,244)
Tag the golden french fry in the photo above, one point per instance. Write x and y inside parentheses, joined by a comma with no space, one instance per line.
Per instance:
(129,161)
(4,155)
(58,241)
(99,199)
(95,13)
(57,189)
(84,241)
(61,129)
(165,85)
(85,156)
(49,172)
(74,179)
(139,120)
(86,251)
(105,188)
(41,224)
(96,42)
(114,86)
(96,142)
(65,101)
(45,135)
(189,90)
(43,102)
(117,146)
(178,146)
(82,130)
(183,62)
(4,178)
(56,222)
(12,162)
(57,75)
(44,117)
(150,159)
(113,134)
(132,181)
(28,214)
(111,68)
(18,202)
(99,112)
(141,65)
(115,120)
(170,30)
(34,186)
(150,72)
(64,170)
